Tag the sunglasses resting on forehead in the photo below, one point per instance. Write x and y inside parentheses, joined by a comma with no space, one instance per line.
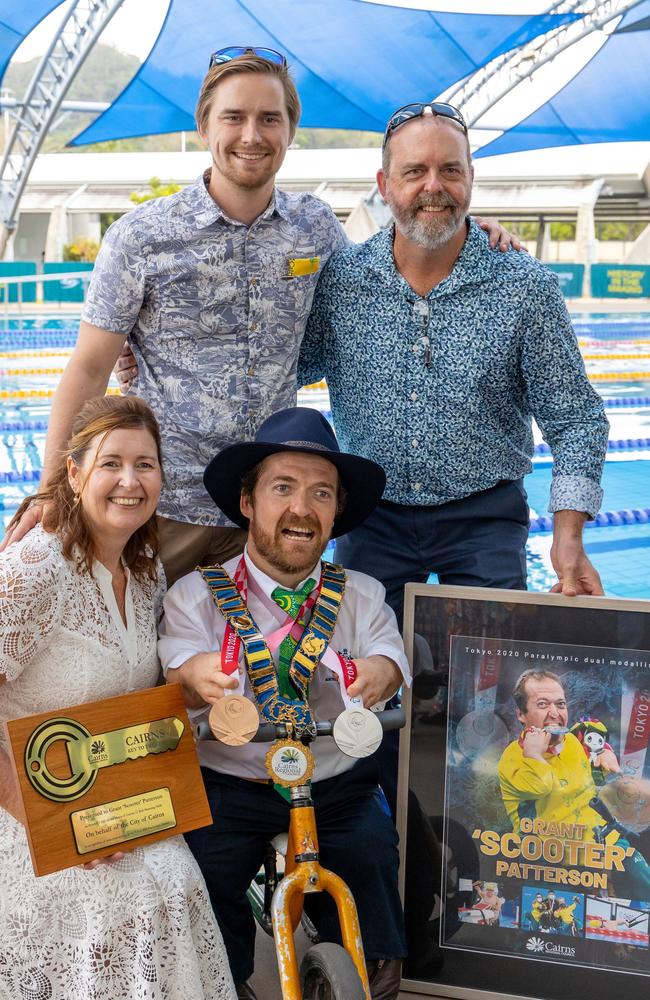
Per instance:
(418,110)
(234,51)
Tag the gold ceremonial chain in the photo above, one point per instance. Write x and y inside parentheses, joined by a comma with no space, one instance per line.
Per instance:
(260,665)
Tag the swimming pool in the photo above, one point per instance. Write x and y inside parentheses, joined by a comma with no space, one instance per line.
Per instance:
(616,348)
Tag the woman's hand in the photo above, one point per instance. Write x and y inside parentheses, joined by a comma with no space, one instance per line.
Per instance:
(110,859)
(126,368)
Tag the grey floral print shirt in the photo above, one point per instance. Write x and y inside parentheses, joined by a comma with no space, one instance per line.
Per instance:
(440,390)
(213,319)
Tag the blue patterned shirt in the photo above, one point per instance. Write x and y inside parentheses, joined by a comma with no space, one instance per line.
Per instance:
(441,390)
(213,319)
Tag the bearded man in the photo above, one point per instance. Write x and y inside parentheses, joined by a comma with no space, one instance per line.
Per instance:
(458,348)
(293,489)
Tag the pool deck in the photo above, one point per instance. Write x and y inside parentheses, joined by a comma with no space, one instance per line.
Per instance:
(635,305)
(641,305)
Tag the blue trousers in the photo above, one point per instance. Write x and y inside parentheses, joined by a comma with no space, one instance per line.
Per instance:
(357,840)
(478,541)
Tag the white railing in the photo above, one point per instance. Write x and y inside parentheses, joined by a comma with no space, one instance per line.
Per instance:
(7,281)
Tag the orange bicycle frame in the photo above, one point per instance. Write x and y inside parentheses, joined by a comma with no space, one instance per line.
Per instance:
(304,874)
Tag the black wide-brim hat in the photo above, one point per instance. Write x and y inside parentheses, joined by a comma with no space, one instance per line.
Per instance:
(303,430)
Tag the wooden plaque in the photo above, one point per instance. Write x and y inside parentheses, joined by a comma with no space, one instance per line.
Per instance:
(107,776)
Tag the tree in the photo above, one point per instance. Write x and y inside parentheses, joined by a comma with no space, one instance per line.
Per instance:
(102,77)
(83,248)
(627,231)
(156,190)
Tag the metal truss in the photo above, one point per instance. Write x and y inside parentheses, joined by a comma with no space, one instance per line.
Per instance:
(82,25)
(477,94)
(488,85)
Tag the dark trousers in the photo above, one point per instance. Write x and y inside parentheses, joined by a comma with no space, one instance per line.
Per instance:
(475,542)
(357,840)
(478,541)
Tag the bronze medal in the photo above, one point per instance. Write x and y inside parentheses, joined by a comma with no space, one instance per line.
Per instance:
(234,720)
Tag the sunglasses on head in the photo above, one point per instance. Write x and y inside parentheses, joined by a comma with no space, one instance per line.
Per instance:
(410,111)
(233,51)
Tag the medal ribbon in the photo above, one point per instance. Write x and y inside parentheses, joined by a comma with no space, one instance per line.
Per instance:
(337,662)
(231,647)
(485,689)
(261,670)
(293,603)
(346,669)
(635,730)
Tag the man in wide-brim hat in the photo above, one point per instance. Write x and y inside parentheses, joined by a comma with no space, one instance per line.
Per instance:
(294,490)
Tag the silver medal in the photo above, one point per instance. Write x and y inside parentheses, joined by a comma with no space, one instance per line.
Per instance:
(477,731)
(357,732)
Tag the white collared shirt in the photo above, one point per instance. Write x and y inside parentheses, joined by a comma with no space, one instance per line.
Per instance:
(366,626)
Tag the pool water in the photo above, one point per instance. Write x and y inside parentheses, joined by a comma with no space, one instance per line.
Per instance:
(621,553)
(616,347)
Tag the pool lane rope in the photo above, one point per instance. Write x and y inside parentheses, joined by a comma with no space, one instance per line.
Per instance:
(605,519)
(619,376)
(613,402)
(61,352)
(622,444)
(41,393)
(9,372)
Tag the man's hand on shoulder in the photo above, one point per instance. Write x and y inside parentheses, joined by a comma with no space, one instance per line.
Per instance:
(575,572)
(29,520)
(201,679)
(378,678)
(126,368)
(498,235)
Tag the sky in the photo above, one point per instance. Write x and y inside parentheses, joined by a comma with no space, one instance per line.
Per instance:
(133,29)
(135,26)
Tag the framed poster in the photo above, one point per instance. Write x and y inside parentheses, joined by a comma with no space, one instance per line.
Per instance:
(525,794)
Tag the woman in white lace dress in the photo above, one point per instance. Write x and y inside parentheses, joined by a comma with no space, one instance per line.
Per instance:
(79,602)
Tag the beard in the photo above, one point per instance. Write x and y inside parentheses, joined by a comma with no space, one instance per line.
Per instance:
(434,231)
(277,549)
(238,175)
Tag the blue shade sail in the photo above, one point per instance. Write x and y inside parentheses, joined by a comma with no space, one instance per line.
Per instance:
(353,62)
(607,101)
(17,19)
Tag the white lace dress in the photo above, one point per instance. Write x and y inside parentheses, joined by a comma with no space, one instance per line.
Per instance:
(139,929)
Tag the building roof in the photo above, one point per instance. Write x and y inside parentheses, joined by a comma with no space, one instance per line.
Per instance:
(549,180)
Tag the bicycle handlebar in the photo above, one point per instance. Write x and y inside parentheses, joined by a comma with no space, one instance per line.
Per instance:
(393,718)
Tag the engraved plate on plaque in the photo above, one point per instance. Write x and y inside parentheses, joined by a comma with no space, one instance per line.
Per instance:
(123,819)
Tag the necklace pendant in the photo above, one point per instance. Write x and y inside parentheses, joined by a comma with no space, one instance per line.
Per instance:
(289,763)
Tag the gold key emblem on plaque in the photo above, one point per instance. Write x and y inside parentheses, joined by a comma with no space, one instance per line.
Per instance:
(88,753)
